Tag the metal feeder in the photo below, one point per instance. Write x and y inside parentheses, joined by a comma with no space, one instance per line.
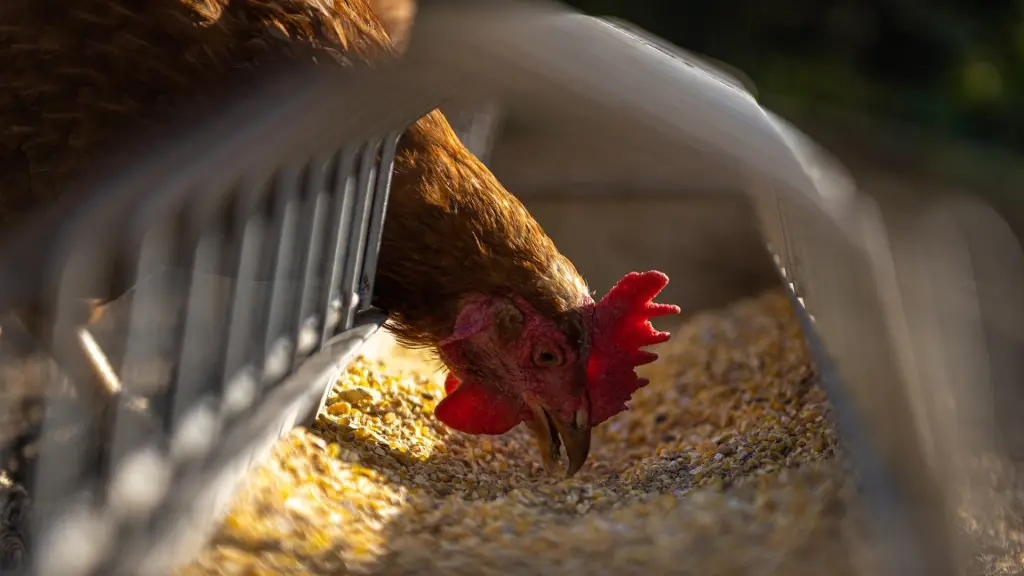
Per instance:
(253,237)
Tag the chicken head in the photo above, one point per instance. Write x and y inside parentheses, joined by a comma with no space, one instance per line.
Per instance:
(510,364)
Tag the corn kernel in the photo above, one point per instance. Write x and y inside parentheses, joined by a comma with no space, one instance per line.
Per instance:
(724,444)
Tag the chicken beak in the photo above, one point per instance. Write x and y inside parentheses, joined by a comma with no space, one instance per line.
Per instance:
(576,439)
(552,433)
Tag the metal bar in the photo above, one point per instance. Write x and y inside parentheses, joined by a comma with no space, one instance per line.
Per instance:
(277,348)
(201,362)
(332,303)
(375,230)
(240,373)
(183,254)
(307,323)
(357,235)
(904,553)
(269,208)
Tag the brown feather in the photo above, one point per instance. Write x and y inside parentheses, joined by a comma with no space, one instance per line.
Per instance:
(397,17)
(454,230)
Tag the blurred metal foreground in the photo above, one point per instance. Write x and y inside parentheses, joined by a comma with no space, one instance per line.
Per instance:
(253,238)
(636,112)
(911,300)
(853,273)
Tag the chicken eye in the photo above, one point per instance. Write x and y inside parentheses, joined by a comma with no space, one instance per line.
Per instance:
(547,357)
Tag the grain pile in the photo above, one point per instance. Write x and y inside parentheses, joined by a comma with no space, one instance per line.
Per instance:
(723,465)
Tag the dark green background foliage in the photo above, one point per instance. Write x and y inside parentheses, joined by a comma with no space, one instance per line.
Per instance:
(952,68)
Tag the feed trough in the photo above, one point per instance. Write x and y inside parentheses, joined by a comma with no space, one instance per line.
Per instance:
(281,217)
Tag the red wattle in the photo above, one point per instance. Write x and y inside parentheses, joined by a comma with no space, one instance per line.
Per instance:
(450,383)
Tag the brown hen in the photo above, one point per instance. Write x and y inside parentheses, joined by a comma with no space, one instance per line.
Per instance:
(464,269)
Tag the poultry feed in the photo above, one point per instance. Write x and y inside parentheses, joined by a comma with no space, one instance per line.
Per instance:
(723,464)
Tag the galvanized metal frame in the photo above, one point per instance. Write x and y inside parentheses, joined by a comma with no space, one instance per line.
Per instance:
(268,254)
(834,249)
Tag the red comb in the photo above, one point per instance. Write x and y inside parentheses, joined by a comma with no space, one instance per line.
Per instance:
(621,328)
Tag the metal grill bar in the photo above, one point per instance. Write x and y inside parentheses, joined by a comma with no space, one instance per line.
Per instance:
(333,303)
(278,348)
(246,300)
(240,373)
(376,219)
(307,333)
(362,211)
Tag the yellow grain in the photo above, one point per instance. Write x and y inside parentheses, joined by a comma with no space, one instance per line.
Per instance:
(724,464)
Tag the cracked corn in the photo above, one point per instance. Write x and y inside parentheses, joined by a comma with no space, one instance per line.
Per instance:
(723,465)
